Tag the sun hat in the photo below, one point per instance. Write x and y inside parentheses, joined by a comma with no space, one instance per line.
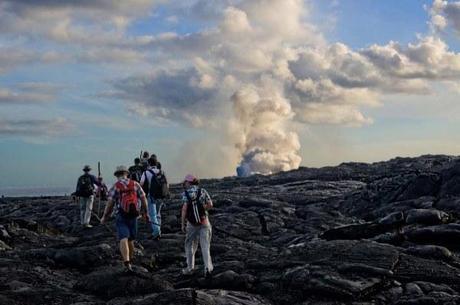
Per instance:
(120,169)
(86,168)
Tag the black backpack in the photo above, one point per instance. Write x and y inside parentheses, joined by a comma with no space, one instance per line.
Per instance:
(158,187)
(135,173)
(85,186)
(196,212)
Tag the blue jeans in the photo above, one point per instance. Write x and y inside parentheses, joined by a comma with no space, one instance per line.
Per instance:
(155,216)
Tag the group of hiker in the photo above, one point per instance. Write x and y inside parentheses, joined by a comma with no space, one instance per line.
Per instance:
(139,192)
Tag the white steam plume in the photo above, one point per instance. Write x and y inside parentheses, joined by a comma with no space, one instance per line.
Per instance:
(266,145)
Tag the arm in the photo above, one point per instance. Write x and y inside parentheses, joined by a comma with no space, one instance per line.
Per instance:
(77,188)
(143,178)
(182,216)
(207,200)
(107,211)
(144,205)
(109,206)
(95,180)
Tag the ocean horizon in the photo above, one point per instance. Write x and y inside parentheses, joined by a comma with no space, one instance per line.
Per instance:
(35,191)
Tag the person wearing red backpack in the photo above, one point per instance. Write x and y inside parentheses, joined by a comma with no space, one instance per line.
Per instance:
(129,199)
(196,225)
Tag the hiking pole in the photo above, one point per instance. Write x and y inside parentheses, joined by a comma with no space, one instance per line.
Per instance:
(105,225)
(100,188)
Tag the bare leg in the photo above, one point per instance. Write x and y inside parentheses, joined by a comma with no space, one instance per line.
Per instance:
(131,249)
(124,249)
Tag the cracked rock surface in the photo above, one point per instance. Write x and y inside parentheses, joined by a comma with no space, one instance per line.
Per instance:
(381,233)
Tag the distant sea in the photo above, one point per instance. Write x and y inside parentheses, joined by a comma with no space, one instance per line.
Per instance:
(35,191)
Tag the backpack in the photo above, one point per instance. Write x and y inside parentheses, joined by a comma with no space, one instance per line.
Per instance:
(158,187)
(196,212)
(129,206)
(135,173)
(85,186)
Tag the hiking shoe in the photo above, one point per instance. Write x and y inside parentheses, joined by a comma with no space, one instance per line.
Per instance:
(186,271)
(128,267)
(157,238)
(207,274)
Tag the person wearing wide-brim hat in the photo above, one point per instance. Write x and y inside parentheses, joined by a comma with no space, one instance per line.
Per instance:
(126,194)
(195,224)
(86,188)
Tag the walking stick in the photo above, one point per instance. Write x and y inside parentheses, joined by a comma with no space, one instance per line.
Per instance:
(100,188)
(105,225)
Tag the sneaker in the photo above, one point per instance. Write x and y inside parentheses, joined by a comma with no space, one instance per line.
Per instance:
(186,271)
(88,225)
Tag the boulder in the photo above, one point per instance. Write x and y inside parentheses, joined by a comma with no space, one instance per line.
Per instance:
(111,282)
(430,251)
(426,217)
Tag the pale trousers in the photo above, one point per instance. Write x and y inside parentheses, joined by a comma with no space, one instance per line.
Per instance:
(86,207)
(198,235)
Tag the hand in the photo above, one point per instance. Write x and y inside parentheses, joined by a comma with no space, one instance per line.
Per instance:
(103,219)
(183,228)
(147,218)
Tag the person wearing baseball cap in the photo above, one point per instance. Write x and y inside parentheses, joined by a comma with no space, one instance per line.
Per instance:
(195,224)
(129,198)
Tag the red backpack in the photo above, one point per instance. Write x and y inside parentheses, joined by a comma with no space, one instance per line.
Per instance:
(129,206)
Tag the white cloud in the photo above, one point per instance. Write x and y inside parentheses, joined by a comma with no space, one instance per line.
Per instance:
(35,127)
(28,93)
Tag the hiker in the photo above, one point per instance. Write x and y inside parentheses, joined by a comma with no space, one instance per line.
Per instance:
(135,171)
(125,195)
(145,160)
(196,225)
(86,188)
(155,184)
(102,191)
(158,162)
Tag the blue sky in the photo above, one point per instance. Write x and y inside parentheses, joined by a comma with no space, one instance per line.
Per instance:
(207,86)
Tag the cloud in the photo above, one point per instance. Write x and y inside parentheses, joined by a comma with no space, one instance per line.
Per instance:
(29,93)
(12,57)
(221,74)
(34,127)
(82,31)
(256,69)
(444,13)
(186,97)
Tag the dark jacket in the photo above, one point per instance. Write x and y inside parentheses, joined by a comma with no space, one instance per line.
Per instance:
(79,192)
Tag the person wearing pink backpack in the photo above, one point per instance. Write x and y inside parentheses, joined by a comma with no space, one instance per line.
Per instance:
(196,225)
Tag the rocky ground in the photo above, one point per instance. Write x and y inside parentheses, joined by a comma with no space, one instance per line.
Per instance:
(382,233)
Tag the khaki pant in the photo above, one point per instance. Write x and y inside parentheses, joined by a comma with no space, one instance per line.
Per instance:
(198,234)
(86,207)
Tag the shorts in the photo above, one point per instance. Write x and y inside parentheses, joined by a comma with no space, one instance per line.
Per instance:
(126,227)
